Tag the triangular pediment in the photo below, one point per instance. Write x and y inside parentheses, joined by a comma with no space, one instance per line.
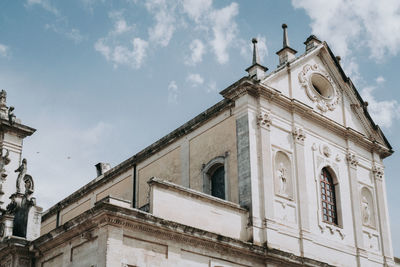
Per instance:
(317,80)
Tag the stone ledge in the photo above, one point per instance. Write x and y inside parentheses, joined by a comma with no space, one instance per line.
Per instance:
(154,181)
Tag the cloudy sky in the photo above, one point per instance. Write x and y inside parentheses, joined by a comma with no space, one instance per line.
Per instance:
(100,80)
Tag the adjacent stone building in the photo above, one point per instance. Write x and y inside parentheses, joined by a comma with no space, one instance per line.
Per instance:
(286,170)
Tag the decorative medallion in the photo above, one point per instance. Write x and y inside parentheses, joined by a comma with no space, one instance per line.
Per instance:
(326,151)
(319,87)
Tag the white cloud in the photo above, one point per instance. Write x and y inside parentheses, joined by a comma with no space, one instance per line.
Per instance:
(75,35)
(45,4)
(122,55)
(4,50)
(383,112)
(115,48)
(197,51)
(224,31)
(380,80)
(195,79)
(120,24)
(72,34)
(348,25)
(196,8)
(164,15)
(173,93)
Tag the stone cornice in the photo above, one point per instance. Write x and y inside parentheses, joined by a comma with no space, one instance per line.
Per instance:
(105,213)
(20,129)
(293,105)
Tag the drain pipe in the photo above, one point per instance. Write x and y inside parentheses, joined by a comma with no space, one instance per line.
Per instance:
(134,187)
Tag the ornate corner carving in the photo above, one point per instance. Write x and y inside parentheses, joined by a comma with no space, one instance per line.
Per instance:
(338,158)
(352,159)
(378,172)
(299,134)
(4,160)
(264,119)
(324,103)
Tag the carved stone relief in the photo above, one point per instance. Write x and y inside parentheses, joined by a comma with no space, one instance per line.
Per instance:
(299,134)
(352,159)
(319,87)
(283,175)
(378,172)
(264,119)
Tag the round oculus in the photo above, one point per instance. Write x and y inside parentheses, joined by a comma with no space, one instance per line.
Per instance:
(322,86)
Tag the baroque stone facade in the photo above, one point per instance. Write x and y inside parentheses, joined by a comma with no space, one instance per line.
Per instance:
(282,172)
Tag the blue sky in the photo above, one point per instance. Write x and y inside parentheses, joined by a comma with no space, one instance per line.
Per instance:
(100,80)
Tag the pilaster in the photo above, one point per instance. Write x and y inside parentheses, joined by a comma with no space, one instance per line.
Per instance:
(378,173)
(352,163)
(264,122)
(299,137)
(249,180)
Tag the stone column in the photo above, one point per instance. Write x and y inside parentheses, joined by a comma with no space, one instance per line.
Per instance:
(383,214)
(299,136)
(355,204)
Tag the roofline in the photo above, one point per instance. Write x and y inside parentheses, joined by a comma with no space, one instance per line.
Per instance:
(163,142)
(365,110)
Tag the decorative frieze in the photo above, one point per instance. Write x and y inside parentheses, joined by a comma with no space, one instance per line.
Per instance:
(264,119)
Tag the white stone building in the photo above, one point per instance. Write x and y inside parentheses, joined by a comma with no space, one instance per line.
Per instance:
(286,170)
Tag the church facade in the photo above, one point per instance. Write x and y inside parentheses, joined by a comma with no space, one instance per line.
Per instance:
(286,170)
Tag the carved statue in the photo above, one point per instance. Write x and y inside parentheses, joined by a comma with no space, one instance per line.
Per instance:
(28,185)
(366,213)
(4,160)
(22,172)
(3,98)
(11,116)
(282,174)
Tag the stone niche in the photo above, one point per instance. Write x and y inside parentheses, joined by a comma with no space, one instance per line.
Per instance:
(283,175)
(367,207)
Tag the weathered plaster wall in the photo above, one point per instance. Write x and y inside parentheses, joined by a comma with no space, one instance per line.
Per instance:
(219,140)
(166,165)
(120,187)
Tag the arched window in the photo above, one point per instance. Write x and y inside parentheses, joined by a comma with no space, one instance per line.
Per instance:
(328,198)
(215,178)
(218,183)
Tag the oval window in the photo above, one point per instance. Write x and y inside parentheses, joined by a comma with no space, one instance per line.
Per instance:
(322,86)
